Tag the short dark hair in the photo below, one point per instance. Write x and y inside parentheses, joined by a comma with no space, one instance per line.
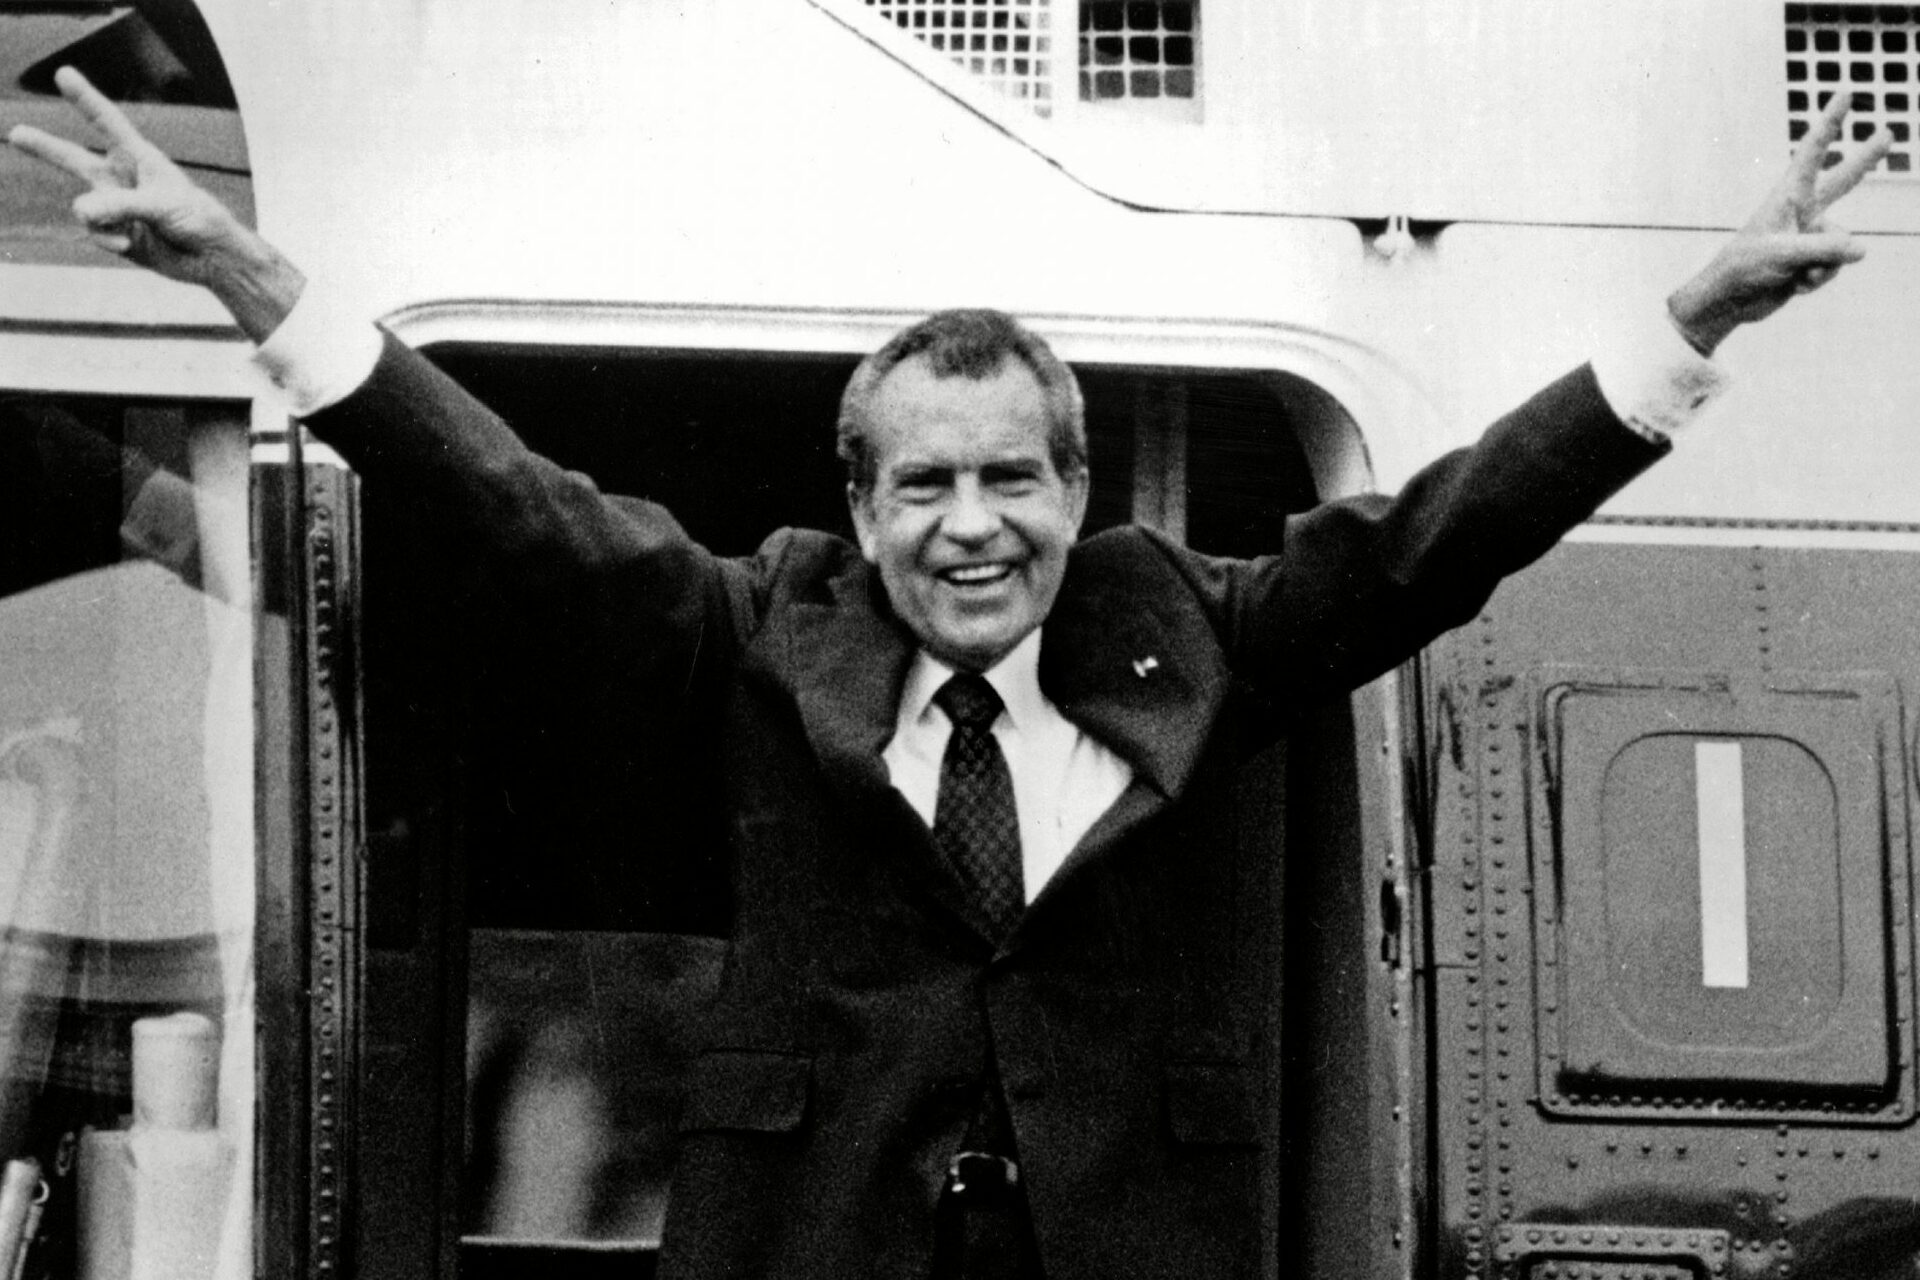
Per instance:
(965,344)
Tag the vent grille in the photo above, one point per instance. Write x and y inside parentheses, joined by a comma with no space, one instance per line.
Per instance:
(1869,51)
(1139,49)
(1008,43)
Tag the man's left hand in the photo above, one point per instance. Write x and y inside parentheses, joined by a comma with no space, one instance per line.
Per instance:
(1787,247)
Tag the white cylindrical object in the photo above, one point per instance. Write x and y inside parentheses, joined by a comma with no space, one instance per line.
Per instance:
(152,1197)
(151,1203)
(176,1072)
(180,1193)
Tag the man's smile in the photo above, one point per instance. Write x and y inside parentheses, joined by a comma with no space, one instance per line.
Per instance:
(975,575)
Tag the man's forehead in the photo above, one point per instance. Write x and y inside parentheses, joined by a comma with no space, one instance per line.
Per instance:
(906,450)
(925,414)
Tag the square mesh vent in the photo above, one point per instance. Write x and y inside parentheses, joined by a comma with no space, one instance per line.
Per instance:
(1138,49)
(1008,43)
(1871,51)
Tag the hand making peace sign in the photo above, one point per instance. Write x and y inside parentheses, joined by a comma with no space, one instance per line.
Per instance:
(140,204)
(1787,247)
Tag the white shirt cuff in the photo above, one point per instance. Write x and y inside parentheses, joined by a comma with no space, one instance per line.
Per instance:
(322,351)
(1653,379)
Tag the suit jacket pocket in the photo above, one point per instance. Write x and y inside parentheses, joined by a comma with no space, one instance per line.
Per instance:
(747,1091)
(1212,1104)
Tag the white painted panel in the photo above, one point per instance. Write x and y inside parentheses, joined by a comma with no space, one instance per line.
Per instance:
(1720,792)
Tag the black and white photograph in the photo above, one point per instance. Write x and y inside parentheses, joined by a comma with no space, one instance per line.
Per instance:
(959,640)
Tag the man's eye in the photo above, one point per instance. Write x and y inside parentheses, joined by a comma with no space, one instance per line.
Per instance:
(1012,482)
(918,488)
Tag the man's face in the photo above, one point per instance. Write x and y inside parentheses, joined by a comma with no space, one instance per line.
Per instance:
(968,521)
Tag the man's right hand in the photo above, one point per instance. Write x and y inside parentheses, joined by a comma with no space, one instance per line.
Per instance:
(140,205)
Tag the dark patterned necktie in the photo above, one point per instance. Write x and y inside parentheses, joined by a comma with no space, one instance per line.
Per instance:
(975,826)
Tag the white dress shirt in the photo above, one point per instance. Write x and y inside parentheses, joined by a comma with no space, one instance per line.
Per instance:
(1063,780)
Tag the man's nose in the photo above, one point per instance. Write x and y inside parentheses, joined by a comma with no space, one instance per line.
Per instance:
(972,516)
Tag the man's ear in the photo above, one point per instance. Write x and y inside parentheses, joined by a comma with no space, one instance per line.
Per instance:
(1079,485)
(860,506)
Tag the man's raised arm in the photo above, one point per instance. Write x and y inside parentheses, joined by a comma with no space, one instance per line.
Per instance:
(140,205)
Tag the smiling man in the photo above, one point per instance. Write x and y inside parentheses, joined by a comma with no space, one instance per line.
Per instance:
(966,451)
(969,480)
(994,1006)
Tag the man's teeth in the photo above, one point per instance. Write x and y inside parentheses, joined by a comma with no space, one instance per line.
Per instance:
(976,573)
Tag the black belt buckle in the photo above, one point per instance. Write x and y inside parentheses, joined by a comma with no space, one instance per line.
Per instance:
(976,1178)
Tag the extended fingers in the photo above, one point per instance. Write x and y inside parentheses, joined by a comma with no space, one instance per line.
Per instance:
(88,166)
(98,108)
(82,162)
(1811,155)
(1847,175)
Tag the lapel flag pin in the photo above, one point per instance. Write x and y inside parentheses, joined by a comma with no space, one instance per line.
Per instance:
(1141,666)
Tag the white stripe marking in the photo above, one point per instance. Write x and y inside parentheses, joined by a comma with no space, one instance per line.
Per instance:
(1720,794)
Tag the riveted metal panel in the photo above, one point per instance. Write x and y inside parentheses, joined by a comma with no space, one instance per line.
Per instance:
(1621,656)
(1626,1021)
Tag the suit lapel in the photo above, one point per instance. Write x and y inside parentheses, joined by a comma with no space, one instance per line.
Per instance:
(1139,674)
(846,660)
(1125,662)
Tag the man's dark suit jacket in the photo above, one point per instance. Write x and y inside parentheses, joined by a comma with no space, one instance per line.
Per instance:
(863,1010)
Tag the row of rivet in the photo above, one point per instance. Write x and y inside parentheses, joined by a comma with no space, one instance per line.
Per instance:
(327,942)
(1471,827)
(1499,776)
